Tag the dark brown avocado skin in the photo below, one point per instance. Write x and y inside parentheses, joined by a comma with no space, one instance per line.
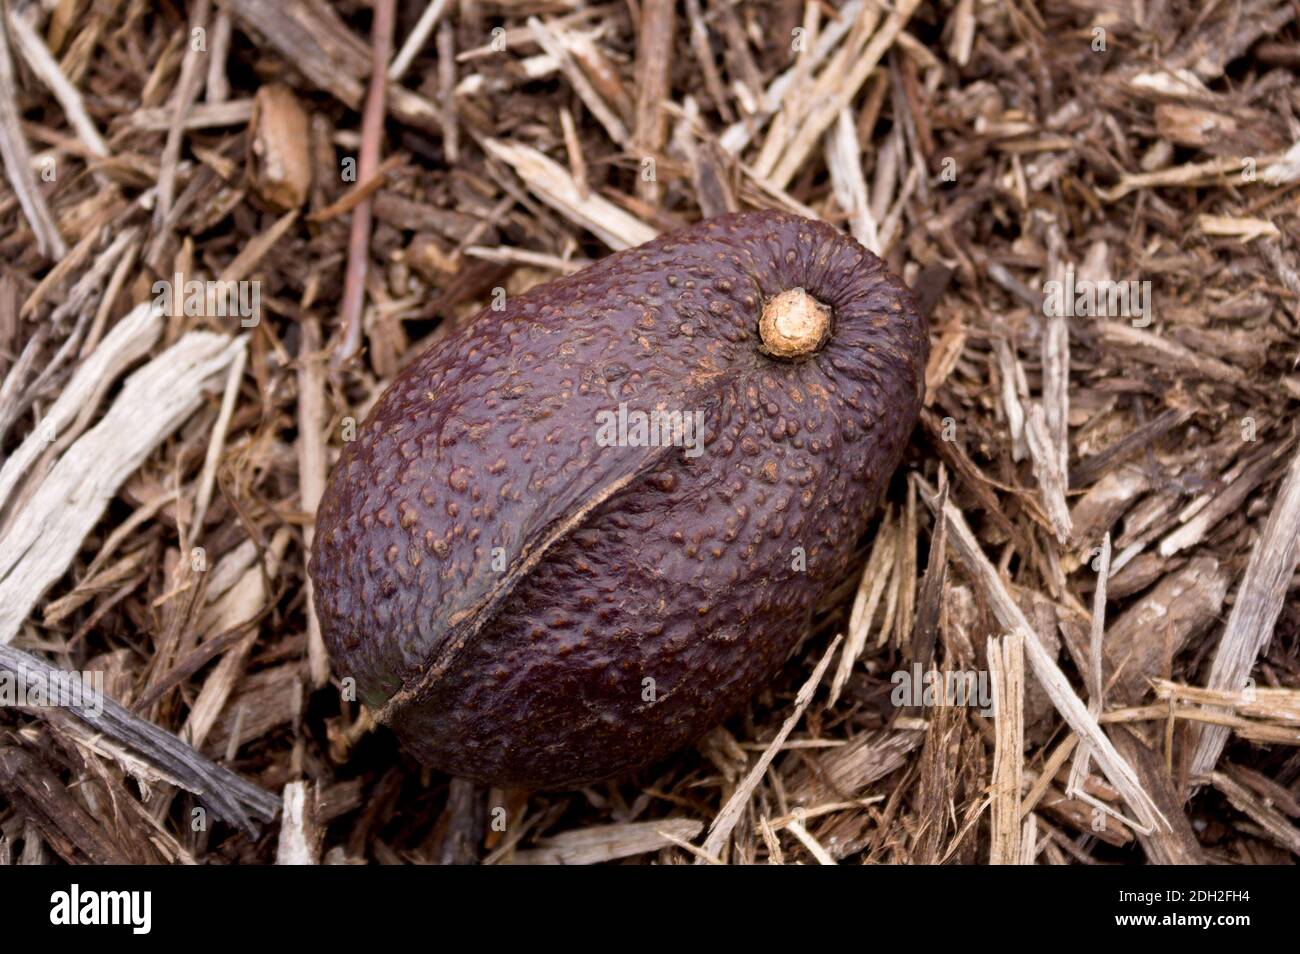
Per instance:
(501,586)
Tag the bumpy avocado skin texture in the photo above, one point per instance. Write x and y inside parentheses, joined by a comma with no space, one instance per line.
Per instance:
(502,587)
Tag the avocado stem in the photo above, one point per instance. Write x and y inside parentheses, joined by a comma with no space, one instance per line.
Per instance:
(793,324)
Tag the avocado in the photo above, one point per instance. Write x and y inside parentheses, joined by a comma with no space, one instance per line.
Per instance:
(579,533)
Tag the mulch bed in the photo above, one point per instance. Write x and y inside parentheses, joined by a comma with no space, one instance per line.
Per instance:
(1097,519)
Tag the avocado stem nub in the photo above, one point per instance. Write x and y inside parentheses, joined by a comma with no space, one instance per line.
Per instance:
(793,324)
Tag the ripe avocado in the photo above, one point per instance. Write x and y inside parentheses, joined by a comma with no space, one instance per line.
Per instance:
(534,587)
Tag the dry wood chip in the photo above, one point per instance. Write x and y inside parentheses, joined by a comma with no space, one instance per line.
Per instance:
(843,88)
(843,158)
(1235,226)
(235,112)
(738,135)
(240,606)
(1255,612)
(1285,169)
(1142,642)
(725,822)
(1268,818)
(554,46)
(318,43)
(1049,675)
(558,189)
(1263,714)
(46,534)
(1007,667)
(871,588)
(1047,468)
(1189,175)
(300,832)
(130,339)
(39,796)
(278,147)
(602,843)
(230,797)
(37,55)
(1152,348)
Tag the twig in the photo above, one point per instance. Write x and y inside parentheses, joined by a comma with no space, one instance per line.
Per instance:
(18,158)
(188,89)
(725,822)
(415,42)
(38,57)
(372,130)
(447,92)
(653,52)
(203,496)
(229,796)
